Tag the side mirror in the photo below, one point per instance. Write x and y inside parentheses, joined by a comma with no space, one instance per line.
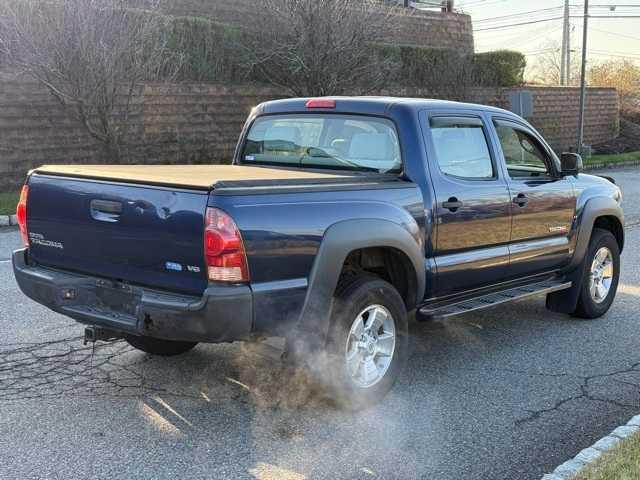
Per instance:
(570,163)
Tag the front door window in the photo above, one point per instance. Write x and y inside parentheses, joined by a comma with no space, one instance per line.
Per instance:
(524,156)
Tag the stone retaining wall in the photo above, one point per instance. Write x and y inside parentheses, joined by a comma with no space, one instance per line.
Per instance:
(200,123)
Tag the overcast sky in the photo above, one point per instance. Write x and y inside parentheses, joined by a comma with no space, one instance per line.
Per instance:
(608,37)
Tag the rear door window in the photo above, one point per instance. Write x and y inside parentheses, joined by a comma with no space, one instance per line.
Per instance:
(461,147)
(343,142)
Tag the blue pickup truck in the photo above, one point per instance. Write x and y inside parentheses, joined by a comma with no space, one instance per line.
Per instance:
(338,219)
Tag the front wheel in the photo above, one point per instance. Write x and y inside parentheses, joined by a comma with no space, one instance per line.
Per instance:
(601,272)
(368,341)
(156,346)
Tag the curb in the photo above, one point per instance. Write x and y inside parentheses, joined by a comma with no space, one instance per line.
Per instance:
(8,220)
(601,166)
(571,468)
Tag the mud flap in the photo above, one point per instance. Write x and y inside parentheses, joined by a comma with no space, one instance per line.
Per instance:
(566,301)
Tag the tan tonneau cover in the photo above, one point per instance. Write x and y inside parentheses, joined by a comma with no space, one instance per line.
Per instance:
(188,176)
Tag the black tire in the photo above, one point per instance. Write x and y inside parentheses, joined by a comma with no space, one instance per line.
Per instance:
(352,297)
(156,346)
(587,306)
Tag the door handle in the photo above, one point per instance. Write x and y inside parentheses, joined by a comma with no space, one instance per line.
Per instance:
(521,200)
(106,211)
(452,204)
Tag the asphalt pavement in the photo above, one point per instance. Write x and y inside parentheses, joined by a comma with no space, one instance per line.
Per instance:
(505,394)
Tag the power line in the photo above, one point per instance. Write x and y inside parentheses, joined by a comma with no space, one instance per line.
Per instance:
(515,14)
(628,5)
(609,55)
(516,24)
(510,25)
(541,51)
(518,32)
(607,16)
(471,4)
(480,2)
(616,54)
(503,23)
(612,7)
(615,34)
(521,38)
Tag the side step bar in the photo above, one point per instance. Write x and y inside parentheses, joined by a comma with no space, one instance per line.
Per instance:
(441,311)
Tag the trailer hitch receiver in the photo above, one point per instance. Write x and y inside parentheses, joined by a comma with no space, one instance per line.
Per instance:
(96,334)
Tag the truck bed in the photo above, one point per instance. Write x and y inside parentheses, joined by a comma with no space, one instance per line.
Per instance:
(198,177)
(144,224)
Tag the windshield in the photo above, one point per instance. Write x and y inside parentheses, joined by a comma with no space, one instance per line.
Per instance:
(345,142)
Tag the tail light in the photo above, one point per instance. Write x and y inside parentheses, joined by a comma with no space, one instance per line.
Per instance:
(223,249)
(21,214)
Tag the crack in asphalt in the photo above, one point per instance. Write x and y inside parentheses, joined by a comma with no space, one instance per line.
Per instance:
(585,394)
(54,368)
(632,225)
(68,367)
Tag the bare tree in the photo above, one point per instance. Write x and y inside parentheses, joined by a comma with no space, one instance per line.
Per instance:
(545,68)
(90,54)
(624,75)
(320,47)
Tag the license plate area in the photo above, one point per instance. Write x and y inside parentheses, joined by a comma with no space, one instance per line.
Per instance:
(117,297)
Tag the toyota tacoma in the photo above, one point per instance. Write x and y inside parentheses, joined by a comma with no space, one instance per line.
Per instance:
(338,218)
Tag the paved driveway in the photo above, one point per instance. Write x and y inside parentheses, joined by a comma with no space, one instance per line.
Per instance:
(506,394)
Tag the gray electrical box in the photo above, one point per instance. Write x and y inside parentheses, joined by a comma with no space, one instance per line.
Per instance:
(521,103)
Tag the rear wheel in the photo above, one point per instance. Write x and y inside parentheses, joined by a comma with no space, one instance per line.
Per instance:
(156,346)
(368,341)
(601,271)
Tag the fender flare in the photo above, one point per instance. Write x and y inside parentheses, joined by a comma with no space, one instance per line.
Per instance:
(566,301)
(338,242)
(594,208)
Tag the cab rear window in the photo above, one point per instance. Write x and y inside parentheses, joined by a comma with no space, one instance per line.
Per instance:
(339,142)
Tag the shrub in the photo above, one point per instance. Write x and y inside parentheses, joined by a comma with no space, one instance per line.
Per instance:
(444,72)
(501,68)
(210,51)
(450,73)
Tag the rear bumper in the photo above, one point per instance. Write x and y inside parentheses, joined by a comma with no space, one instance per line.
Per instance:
(223,313)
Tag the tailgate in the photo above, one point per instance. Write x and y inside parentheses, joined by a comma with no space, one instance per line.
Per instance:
(143,235)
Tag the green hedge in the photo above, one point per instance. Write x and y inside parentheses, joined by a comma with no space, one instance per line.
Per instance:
(444,70)
(501,68)
(213,52)
(416,65)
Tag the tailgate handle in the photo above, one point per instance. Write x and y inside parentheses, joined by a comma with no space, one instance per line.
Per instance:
(105,210)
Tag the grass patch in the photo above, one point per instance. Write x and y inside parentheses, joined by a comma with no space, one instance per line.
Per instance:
(621,463)
(613,159)
(8,202)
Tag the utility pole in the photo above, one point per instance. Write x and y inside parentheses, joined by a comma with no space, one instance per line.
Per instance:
(583,77)
(568,54)
(564,64)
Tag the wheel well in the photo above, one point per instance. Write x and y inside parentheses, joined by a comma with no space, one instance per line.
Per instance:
(614,226)
(390,264)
